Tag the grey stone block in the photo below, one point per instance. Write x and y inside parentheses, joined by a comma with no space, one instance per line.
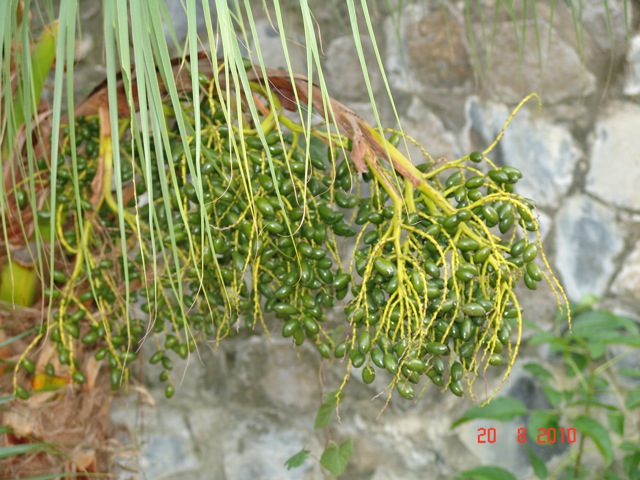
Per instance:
(627,283)
(345,77)
(615,156)
(422,58)
(587,241)
(632,81)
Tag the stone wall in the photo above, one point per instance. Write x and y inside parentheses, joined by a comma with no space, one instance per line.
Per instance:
(247,406)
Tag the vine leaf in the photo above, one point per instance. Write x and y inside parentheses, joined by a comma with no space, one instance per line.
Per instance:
(633,399)
(616,422)
(631,463)
(538,371)
(335,457)
(604,326)
(502,409)
(326,410)
(298,459)
(538,465)
(596,432)
(541,419)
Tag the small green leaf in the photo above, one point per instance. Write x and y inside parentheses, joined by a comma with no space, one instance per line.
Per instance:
(324,415)
(502,409)
(611,476)
(596,432)
(616,422)
(538,371)
(542,337)
(593,403)
(298,459)
(596,348)
(602,325)
(554,396)
(629,372)
(326,411)
(558,345)
(628,446)
(538,465)
(633,398)
(631,464)
(335,457)
(577,362)
(541,419)
(486,473)
(624,339)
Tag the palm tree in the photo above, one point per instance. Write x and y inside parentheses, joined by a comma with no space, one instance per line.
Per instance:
(201,186)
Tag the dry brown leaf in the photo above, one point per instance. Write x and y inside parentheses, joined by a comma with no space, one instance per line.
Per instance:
(91,370)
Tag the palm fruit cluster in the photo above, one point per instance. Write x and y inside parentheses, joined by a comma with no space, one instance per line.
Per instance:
(411,281)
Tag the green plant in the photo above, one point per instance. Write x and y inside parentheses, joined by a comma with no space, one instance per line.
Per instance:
(592,405)
(334,459)
(428,258)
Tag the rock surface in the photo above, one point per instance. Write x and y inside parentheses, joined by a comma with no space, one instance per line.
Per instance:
(587,244)
(410,69)
(627,283)
(272,50)
(615,160)
(553,70)
(424,126)
(632,82)
(345,78)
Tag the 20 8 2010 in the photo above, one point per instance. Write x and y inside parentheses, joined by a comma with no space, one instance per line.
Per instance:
(545,436)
